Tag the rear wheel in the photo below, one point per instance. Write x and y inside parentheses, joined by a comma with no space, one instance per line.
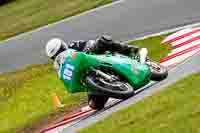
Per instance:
(158,71)
(115,88)
(97,102)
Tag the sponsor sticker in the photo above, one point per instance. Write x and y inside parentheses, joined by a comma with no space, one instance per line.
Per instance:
(135,70)
(73,56)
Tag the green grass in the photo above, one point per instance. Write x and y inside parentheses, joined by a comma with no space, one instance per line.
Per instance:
(173,110)
(31,98)
(33,87)
(20,16)
(154,46)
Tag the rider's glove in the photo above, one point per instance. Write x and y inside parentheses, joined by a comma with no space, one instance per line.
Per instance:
(129,48)
(90,46)
(133,48)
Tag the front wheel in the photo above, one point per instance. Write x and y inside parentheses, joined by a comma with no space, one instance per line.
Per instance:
(116,89)
(158,71)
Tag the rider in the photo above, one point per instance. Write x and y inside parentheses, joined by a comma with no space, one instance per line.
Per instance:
(56,49)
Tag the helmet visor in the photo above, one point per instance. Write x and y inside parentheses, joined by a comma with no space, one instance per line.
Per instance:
(62,48)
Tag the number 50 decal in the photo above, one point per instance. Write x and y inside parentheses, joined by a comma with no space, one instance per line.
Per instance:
(68,72)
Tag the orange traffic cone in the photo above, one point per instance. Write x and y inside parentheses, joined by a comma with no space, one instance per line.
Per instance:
(56,102)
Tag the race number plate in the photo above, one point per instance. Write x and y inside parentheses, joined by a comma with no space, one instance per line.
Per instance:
(68,72)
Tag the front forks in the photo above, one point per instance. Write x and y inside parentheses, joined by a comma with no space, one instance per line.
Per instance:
(106,76)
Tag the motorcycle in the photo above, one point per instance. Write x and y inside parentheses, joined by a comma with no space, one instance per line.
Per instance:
(109,75)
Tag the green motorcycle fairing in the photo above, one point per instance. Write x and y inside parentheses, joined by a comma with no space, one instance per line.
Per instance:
(77,64)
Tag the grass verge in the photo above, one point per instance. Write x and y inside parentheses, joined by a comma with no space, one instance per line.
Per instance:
(173,110)
(31,14)
(31,90)
(156,50)
(30,94)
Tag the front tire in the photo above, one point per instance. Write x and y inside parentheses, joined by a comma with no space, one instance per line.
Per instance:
(158,71)
(118,89)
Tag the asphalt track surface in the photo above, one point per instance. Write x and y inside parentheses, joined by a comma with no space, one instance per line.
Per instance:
(124,20)
(127,19)
(188,67)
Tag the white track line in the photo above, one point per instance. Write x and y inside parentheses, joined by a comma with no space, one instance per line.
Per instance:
(185,39)
(179,59)
(185,47)
(179,33)
(166,31)
(185,43)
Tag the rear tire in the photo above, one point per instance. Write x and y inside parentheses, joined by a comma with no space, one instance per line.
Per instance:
(119,89)
(97,102)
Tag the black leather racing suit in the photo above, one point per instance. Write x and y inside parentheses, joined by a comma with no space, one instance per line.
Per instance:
(98,46)
(103,44)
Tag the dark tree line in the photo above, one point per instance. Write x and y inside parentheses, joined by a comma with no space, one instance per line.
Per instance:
(4,1)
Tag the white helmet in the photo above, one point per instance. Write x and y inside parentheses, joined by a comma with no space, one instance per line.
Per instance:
(54,47)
